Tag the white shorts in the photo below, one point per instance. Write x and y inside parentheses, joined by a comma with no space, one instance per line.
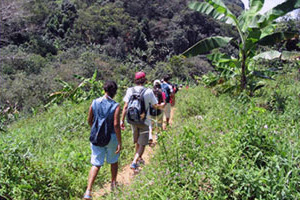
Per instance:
(167,110)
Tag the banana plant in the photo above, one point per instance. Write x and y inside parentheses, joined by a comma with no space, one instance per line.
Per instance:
(88,88)
(254,29)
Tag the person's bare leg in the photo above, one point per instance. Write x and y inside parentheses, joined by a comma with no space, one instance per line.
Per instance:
(114,172)
(139,153)
(150,134)
(168,119)
(92,176)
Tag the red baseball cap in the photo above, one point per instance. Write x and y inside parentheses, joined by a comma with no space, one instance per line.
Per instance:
(139,75)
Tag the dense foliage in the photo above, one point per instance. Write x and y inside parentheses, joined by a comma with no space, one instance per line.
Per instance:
(46,42)
(255,30)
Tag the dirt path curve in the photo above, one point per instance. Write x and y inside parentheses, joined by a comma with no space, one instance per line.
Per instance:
(126,175)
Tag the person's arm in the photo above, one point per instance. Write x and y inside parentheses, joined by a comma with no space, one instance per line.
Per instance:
(173,98)
(123,115)
(118,129)
(154,102)
(90,116)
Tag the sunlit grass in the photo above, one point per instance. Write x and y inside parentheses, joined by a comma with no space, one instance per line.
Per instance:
(227,148)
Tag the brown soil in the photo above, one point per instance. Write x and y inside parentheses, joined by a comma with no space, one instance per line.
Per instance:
(126,175)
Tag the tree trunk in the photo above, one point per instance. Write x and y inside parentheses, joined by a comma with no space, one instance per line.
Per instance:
(243,78)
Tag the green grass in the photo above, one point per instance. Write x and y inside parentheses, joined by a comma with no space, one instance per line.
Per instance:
(222,147)
(48,156)
(227,147)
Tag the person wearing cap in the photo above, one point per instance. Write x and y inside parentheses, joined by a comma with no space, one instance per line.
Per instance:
(140,132)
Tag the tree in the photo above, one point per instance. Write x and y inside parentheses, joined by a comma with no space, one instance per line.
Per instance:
(254,29)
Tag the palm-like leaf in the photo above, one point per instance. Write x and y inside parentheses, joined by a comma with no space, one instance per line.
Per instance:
(214,10)
(206,45)
(290,55)
(256,5)
(219,57)
(250,18)
(278,11)
(268,55)
(276,37)
(285,55)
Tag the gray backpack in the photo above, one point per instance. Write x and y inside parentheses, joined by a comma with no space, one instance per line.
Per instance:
(136,110)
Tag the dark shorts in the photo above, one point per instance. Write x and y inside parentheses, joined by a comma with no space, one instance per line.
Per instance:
(140,134)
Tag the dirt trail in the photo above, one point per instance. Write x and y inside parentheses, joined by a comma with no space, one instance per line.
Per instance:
(126,175)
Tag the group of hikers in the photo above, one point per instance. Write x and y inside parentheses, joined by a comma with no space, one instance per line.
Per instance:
(143,108)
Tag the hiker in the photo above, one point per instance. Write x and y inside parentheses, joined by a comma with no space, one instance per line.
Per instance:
(172,96)
(105,138)
(168,90)
(138,116)
(156,114)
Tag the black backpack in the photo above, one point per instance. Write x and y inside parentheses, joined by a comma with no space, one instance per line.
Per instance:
(100,132)
(136,110)
(158,94)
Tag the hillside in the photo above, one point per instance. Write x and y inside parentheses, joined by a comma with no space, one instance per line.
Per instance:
(45,41)
(218,148)
(236,130)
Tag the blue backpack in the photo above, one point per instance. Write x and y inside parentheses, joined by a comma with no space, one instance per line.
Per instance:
(136,110)
(102,125)
(166,89)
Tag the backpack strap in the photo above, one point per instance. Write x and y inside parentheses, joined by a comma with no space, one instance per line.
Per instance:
(142,92)
(108,111)
(96,107)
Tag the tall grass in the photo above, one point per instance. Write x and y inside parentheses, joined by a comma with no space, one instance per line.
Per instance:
(47,156)
(218,148)
(227,147)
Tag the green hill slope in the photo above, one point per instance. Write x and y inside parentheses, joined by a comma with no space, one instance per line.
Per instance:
(228,148)
(218,148)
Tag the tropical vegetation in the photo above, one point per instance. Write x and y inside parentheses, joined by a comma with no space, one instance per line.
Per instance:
(254,30)
(235,134)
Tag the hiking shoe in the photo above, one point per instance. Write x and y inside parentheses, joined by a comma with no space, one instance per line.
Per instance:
(141,161)
(134,166)
(87,195)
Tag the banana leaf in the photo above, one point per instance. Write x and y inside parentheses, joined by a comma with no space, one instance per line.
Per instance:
(268,55)
(205,45)
(218,12)
(276,37)
(219,57)
(285,55)
(251,17)
(290,55)
(278,11)
(256,5)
